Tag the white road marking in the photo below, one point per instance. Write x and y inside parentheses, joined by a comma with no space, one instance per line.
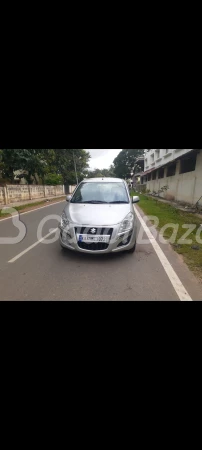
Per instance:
(173,277)
(32,246)
(28,212)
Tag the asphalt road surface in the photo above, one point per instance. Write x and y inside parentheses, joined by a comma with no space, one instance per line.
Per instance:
(36,271)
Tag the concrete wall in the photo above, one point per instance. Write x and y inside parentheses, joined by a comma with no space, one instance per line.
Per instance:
(71,189)
(36,191)
(1,195)
(141,188)
(186,187)
(19,193)
(59,190)
(50,191)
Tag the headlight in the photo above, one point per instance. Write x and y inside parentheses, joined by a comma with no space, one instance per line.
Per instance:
(64,221)
(127,223)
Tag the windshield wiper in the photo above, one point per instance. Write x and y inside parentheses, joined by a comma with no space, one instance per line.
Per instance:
(118,202)
(94,201)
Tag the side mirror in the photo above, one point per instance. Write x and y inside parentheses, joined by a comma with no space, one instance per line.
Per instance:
(68,198)
(135,199)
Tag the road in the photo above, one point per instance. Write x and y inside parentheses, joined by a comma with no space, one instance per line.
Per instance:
(45,272)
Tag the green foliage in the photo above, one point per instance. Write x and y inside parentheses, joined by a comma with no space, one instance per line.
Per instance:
(167,214)
(125,162)
(53,179)
(65,159)
(1,162)
(29,161)
(160,191)
(98,173)
(43,163)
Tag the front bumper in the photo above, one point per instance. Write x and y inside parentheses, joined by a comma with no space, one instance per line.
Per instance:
(68,239)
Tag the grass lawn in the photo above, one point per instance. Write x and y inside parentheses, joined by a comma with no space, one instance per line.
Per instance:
(168,214)
(30,206)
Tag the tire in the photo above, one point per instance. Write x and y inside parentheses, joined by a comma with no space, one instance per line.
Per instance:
(132,250)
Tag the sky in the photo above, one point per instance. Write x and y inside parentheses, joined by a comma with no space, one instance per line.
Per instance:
(102,158)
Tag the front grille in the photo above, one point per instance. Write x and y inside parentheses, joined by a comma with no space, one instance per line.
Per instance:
(95,246)
(100,231)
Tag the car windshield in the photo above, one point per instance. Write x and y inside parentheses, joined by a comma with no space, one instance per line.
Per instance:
(101,192)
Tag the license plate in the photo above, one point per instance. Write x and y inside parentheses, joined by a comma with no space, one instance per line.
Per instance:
(92,239)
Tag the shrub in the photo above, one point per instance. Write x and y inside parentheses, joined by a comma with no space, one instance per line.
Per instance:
(53,179)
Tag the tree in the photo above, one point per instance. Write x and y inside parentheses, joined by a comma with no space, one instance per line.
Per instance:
(29,161)
(99,173)
(109,172)
(53,179)
(43,162)
(1,162)
(125,162)
(65,159)
(1,165)
(33,163)
(11,161)
(48,160)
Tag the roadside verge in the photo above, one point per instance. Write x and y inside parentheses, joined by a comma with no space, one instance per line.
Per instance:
(29,206)
(183,230)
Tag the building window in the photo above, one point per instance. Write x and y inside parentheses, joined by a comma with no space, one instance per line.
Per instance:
(188,164)
(154,175)
(149,177)
(161,173)
(171,171)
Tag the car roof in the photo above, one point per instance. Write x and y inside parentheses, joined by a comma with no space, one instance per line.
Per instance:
(111,180)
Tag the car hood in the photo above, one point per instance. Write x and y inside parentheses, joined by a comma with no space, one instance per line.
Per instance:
(99,215)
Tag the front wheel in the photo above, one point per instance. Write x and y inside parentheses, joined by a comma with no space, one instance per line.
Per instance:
(132,250)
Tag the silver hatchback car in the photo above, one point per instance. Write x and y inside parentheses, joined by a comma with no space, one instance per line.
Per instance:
(99,217)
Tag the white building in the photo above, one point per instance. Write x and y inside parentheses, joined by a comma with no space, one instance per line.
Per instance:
(180,170)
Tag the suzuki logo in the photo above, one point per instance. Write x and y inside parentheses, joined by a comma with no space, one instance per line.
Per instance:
(93,230)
